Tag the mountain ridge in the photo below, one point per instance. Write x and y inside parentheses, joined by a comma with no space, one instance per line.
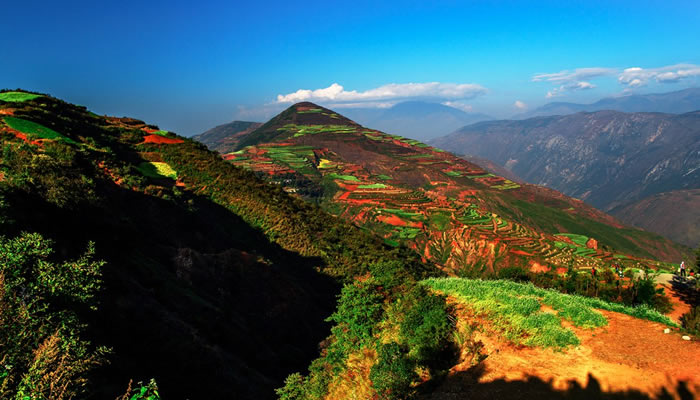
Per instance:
(607,158)
(676,102)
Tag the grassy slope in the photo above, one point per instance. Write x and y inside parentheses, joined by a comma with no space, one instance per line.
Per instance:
(515,309)
(217,288)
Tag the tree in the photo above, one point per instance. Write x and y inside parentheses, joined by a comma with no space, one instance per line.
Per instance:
(42,355)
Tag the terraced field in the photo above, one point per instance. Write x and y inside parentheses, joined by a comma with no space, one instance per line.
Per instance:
(409,192)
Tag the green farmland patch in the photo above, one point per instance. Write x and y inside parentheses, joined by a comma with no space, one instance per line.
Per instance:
(157,170)
(343,177)
(17,97)
(580,240)
(32,128)
(373,186)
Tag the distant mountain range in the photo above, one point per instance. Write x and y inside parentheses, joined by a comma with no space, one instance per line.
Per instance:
(677,102)
(224,138)
(415,119)
(609,159)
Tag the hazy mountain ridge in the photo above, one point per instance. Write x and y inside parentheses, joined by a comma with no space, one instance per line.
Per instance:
(225,137)
(678,102)
(606,158)
(415,119)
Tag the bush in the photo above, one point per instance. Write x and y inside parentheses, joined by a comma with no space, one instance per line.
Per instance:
(43,355)
(691,321)
(293,388)
(427,328)
(393,373)
(518,274)
(359,311)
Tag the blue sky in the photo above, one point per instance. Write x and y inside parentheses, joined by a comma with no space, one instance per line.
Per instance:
(188,66)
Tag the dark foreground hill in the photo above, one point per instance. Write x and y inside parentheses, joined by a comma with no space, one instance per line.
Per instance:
(608,159)
(215,283)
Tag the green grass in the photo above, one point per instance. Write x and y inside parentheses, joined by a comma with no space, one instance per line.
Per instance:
(343,177)
(373,186)
(161,133)
(17,97)
(157,170)
(32,128)
(384,177)
(453,173)
(515,309)
(580,240)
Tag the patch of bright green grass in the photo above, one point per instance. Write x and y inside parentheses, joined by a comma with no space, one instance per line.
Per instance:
(384,177)
(515,309)
(17,97)
(373,186)
(160,133)
(453,173)
(157,170)
(32,128)
(343,177)
(580,240)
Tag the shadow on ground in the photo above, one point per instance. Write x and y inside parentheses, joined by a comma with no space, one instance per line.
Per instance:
(466,385)
(685,289)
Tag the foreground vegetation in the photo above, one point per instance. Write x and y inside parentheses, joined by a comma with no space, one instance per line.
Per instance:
(515,309)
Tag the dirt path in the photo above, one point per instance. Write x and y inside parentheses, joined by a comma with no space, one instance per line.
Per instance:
(629,358)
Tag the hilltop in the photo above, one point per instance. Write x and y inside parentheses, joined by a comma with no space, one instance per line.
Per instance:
(608,159)
(438,204)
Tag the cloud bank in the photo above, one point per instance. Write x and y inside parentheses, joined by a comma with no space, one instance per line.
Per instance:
(577,79)
(630,78)
(336,93)
(637,77)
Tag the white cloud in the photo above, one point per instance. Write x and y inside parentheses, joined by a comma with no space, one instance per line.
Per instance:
(577,79)
(637,77)
(393,91)
(519,105)
(572,77)
(458,105)
(368,104)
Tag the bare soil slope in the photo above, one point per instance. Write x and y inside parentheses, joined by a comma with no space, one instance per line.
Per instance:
(628,359)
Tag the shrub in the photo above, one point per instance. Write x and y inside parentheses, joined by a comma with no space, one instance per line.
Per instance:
(518,274)
(43,354)
(691,321)
(426,328)
(393,373)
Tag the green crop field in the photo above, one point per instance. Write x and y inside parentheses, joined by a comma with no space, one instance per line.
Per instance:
(343,177)
(516,309)
(157,170)
(17,97)
(373,186)
(32,128)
